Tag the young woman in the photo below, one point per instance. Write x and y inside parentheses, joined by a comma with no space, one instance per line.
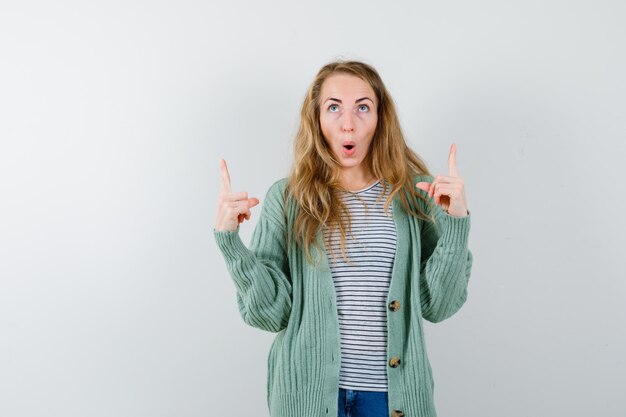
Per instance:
(351,252)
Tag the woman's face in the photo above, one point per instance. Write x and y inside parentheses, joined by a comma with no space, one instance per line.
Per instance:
(348,117)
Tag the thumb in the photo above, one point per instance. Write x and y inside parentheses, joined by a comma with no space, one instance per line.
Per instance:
(423,185)
(253,202)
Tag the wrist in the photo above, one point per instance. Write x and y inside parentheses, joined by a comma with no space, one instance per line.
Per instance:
(457,214)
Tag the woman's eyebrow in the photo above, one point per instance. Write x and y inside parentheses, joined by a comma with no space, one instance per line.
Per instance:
(356,101)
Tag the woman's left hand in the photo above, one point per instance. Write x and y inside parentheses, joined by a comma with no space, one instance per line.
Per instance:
(449,191)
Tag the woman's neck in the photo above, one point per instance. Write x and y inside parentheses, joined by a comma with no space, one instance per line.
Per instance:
(354,180)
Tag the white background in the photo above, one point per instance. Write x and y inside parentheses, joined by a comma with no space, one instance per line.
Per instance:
(114,300)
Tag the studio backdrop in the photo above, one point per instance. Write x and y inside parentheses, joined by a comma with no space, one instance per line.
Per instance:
(114,299)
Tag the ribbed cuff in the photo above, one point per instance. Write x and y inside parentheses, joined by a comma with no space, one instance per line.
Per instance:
(454,230)
(230,243)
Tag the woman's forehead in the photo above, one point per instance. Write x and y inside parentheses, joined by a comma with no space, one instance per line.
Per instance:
(346,87)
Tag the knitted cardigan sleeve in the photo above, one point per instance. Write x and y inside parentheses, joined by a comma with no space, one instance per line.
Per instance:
(446,264)
(261,272)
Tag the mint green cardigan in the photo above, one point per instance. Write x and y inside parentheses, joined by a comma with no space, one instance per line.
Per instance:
(278,291)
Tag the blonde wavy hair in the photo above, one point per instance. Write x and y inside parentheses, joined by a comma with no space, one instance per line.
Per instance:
(314,178)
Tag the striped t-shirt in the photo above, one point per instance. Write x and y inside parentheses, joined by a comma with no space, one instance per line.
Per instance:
(362,287)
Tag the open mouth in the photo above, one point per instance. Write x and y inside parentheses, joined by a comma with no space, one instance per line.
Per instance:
(348,145)
(349,149)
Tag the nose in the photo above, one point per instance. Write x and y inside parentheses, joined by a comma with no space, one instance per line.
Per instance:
(347,124)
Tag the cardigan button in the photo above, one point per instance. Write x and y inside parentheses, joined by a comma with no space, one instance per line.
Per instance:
(397,413)
(394,305)
(394,362)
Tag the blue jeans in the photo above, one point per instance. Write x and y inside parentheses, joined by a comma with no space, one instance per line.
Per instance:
(353,403)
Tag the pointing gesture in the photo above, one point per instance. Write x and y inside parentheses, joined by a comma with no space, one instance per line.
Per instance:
(452,161)
(448,191)
(232,208)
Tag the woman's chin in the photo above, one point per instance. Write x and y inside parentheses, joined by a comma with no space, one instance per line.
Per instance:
(348,163)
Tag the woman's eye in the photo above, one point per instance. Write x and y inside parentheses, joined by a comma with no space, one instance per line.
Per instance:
(363,108)
(333,108)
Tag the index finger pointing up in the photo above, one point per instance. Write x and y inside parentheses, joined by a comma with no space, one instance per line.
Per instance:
(452,161)
(225,188)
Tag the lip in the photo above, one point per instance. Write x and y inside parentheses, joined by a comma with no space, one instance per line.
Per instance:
(348,152)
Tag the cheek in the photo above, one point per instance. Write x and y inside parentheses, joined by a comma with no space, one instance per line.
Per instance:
(324,131)
(326,126)
(323,124)
(372,125)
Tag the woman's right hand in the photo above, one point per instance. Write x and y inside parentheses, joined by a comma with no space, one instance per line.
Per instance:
(232,208)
